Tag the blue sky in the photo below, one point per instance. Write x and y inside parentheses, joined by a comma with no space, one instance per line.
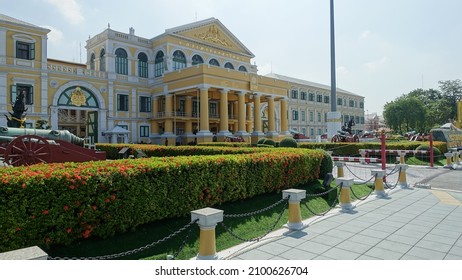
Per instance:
(384,48)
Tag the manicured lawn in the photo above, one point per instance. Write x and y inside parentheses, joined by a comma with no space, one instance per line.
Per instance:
(248,227)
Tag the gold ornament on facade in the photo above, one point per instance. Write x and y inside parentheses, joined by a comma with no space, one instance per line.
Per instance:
(78,97)
(213,35)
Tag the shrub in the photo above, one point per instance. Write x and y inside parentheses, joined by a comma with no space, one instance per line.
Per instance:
(269,142)
(261,140)
(288,142)
(326,165)
(426,147)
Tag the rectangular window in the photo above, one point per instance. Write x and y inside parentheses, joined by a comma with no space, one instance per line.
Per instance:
(294,94)
(27,90)
(304,130)
(325,117)
(303,95)
(159,69)
(143,69)
(303,116)
(344,102)
(319,98)
(357,119)
(319,117)
(213,110)
(326,99)
(311,96)
(195,108)
(25,50)
(361,104)
(311,116)
(144,131)
(312,132)
(339,101)
(319,131)
(122,102)
(352,103)
(145,104)
(295,115)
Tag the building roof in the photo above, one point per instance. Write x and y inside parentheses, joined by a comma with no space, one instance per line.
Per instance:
(8,19)
(307,83)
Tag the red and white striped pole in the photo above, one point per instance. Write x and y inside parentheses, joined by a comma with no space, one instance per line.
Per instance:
(384,155)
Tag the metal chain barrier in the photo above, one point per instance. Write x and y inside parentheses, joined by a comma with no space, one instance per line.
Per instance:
(396,184)
(260,237)
(364,198)
(123,254)
(330,206)
(254,212)
(346,165)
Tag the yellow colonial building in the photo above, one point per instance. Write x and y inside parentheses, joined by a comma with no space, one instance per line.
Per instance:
(194,82)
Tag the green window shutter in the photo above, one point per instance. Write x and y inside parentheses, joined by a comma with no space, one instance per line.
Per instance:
(30,98)
(13,93)
(32,51)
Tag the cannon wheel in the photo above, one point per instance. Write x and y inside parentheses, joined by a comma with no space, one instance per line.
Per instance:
(27,150)
(336,139)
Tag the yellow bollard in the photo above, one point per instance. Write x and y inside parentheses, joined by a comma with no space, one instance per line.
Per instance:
(448,159)
(378,183)
(295,215)
(339,166)
(345,193)
(208,219)
(402,180)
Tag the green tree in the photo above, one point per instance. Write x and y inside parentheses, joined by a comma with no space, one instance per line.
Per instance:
(451,90)
(405,114)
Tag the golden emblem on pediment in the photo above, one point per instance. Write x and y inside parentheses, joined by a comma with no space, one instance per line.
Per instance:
(213,35)
(78,97)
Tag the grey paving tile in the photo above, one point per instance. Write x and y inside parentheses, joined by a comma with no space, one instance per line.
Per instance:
(432,245)
(323,258)
(427,223)
(456,250)
(394,246)
(339,234)
(410,257)
(458,242)
(355,247)
(410,233)
(426,253)
(350,228)
(383,254)
(375,233)
(452,257)
(255,254)
(315,246)
(278,258)
(445,233)
(384,228)
(274,248)
(296,254)
(409,240)
(364,239)
(340,254)
(419,228)
(399,218)
(440,239)
(364,257)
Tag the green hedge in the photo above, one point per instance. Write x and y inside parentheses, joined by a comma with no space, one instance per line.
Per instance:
(60,203)
(352,149)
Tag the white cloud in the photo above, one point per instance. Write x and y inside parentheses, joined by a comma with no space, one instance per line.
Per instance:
(373,65)
(365,34)
(55,36)
(69,9)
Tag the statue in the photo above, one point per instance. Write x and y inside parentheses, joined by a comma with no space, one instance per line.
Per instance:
(18,117)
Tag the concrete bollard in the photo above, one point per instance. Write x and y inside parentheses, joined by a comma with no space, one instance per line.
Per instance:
(295,215)
(455,157)
(363,153)
(29,253)
(339,166)
(402,180)
(402,155)
(345,202)
(208,219)
(378,183)
(448,159)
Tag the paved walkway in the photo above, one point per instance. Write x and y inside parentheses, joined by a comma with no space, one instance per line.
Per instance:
(411,223)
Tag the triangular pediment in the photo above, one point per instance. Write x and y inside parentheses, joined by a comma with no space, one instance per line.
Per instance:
(211,32)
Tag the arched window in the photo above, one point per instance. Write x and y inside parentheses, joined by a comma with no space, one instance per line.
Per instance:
(242,68)
(229,65)
(197,59)
(179,60)
(102,60)
(159,64)
(214,62)
(143,65)
(121,62)
(92,61)
(66,97)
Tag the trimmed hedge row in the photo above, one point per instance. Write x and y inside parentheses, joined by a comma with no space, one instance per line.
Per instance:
(60,203)
(352,149)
